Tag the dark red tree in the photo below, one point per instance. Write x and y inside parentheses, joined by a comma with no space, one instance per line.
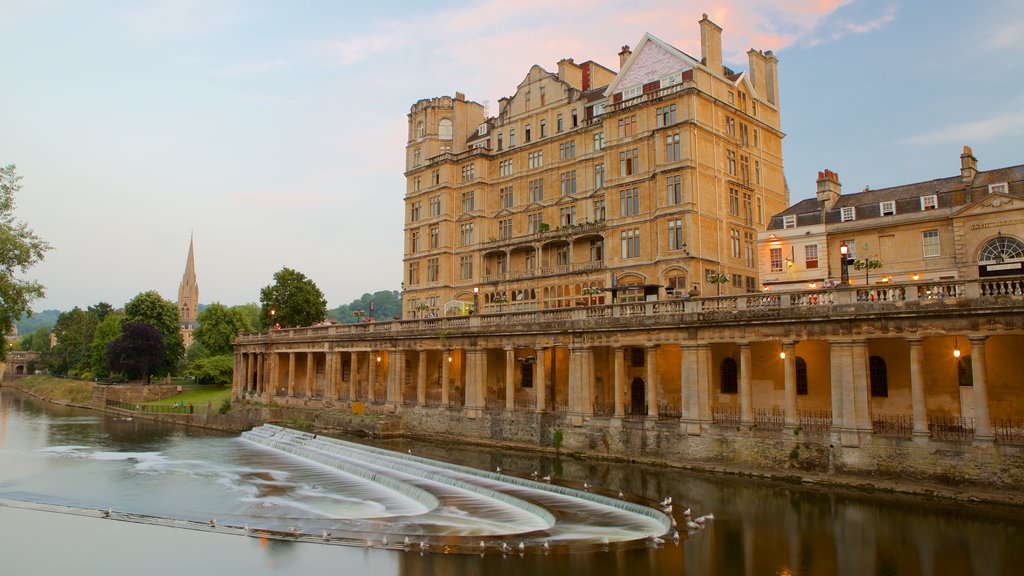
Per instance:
(138,351)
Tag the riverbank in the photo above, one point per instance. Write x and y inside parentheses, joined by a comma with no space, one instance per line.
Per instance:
(335,421)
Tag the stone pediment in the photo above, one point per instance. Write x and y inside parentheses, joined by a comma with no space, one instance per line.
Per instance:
(464,217)
(565,200)
(990,204)
(532,206)
(652,60)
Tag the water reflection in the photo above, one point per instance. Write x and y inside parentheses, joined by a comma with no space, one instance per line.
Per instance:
(759,527)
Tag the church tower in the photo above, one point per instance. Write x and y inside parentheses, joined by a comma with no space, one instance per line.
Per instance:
(188,297)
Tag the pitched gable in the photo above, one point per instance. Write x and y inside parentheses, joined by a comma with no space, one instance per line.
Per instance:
(651,61)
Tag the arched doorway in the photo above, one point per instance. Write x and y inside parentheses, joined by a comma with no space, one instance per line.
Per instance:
(638,397)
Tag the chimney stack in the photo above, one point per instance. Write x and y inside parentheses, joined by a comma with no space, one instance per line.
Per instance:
(570,73)
(968,166)
(771,77)
(624,55)
(829,189)
(711,45)
(758,65)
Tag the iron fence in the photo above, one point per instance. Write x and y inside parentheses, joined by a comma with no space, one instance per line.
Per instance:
(770,418)
(668,411)
(951,427)
(892,424)
(725,415)
(1008,431)
(815,420)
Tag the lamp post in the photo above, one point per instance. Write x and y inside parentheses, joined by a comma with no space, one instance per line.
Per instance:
(272,315)
(844,262)
(476,299)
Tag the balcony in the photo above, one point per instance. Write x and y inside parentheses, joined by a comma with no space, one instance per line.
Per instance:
(574,268)
(562,232)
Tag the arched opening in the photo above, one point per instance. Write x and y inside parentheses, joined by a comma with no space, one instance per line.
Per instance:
(638,397)
(444,129)
(964,371)
(729,376)
(801,376)
(879,377)
(419,129)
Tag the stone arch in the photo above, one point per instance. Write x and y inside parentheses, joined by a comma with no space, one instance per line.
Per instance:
(729,383)
(1001,249)
(638,397)
(420,129)
(879,375)
(444,129)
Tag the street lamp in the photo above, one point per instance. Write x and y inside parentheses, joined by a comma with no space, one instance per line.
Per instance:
(272,313)
(476,299)
(844,254)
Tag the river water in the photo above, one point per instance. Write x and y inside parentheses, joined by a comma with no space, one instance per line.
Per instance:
(61,467)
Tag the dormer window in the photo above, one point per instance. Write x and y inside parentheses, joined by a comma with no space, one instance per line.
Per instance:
(887,208)
(481,130)
(848,214)
(789,221)
(930,202)
(1000,188)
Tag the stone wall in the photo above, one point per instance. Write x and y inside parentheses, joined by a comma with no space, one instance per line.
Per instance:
(132,393)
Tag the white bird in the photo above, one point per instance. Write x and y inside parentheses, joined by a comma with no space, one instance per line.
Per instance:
(505,547)
(522,546)
(534,475)
(498,469)
(656,541)
(547,478)
(686,512)
(385,541)
(673,522)
(213,523)
(292,529)
(667,509)
(586,486)
(675,535)
(369,543)
(245,528)
(108,513)
(693,525)
(409,451)
(666,502)
(406,543)
(424,545)
(621,495)
(482,545)
(604,541)
(545,545)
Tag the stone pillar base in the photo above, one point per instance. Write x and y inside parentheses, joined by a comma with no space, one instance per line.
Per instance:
(692,428)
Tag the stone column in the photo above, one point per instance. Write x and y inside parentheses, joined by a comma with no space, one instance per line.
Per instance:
(620,376)
(446,368)
(246,372)
(421,378)
(652,380)
(482,369)
(839,369)
(917,396)
(353,371)
(291,374)
(746,391)
(861,386)
(395,376)
(510,379)
(540,381)
(982,421)
(792,418)
(371,378)
(587,390)
(275,373)
(688,388)
(310,374)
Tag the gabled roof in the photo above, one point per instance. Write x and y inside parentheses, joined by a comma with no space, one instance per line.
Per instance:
(651,43)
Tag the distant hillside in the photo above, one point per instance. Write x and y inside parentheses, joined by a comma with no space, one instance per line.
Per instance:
(27,325)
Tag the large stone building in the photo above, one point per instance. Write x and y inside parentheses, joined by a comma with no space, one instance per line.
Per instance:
(962,227)
(188,297)
(586,179)
(919,376)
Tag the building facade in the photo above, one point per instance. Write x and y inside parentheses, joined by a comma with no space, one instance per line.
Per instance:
(969,226)
(586,179)
(188,297)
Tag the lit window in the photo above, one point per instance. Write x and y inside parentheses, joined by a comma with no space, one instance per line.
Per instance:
(775,255)
(811,256)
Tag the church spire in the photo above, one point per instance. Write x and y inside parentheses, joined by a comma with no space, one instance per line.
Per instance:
(188,295)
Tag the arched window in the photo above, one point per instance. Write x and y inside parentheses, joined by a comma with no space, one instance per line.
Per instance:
(419,130)
(879,377)
(964,371)
(730,382)
(1001,249)
(444,129)
(801,376)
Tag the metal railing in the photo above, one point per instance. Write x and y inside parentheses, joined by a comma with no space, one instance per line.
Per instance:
(815,419)
(725,415)
(669,411)
(769,418)
(951,427)
(892,424)
(1008,431)
(157,408)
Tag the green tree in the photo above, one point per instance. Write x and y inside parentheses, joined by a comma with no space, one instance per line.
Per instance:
(107,331)
(20,249)
(213,370)
(38,341)
(387,304)
(295,300)
(150,308)
(72,353)
(218,327)
(251,313)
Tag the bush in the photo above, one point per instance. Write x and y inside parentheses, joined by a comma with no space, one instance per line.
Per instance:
(225,406)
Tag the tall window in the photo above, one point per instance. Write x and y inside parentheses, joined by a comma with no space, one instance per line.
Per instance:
(511,137)
(666,115)
(675,234)
(506,198)
(466,267)
(744,134)
(433,265)
(757,171)
(536,190)
(730,126)
(414,241)
(598,176)
(748,248)
(468,201)
(444,129)
(416,157)
(558,122)
(414,211)
(505,229)
(775,258)
(420,130)
(629,202)
(533,222)
(535,159)
(567,150)
(466,236)
(627,126)
(674,191)
(598,141)
(567,216)
(748,207)
(505,168)
(435,177)
(672,148)
(543,127)
(801,376)
(467,172)
(879,377)
(599,212)
(416,184)
(745,169)
(760,210)
(568,183)
(731,162)
(526,134)
(811,256)
(414,272)
(729,376)
(435,237)
(734,202)
(734,242)
(628,162)
(630,243)
(930,243)
(596,250)
(435,206)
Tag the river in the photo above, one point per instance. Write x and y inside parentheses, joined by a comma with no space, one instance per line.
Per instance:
(55,460)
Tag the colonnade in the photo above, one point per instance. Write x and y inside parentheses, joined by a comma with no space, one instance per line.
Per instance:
(580,379)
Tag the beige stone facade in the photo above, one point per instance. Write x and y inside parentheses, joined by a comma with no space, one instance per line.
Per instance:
(655,175)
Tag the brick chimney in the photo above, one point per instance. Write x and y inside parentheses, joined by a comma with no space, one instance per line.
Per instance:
(711,45)
(570,73)
(968,166)
(624,55)
(829,189)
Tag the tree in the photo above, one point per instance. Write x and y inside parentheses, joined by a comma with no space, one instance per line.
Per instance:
(72,353)
(107,331)
(20,249)
(251,313)
(218,327)
(38,341)
(386,305)
(295,300)
(138,351)
(213,370)
(150,308)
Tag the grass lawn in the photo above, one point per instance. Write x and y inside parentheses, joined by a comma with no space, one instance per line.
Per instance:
(77,391)
(198,396)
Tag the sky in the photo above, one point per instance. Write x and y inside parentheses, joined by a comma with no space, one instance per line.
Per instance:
(274,132)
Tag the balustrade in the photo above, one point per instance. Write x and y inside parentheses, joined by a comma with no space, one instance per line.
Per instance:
(892,424)
(951,427)
(815,420)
